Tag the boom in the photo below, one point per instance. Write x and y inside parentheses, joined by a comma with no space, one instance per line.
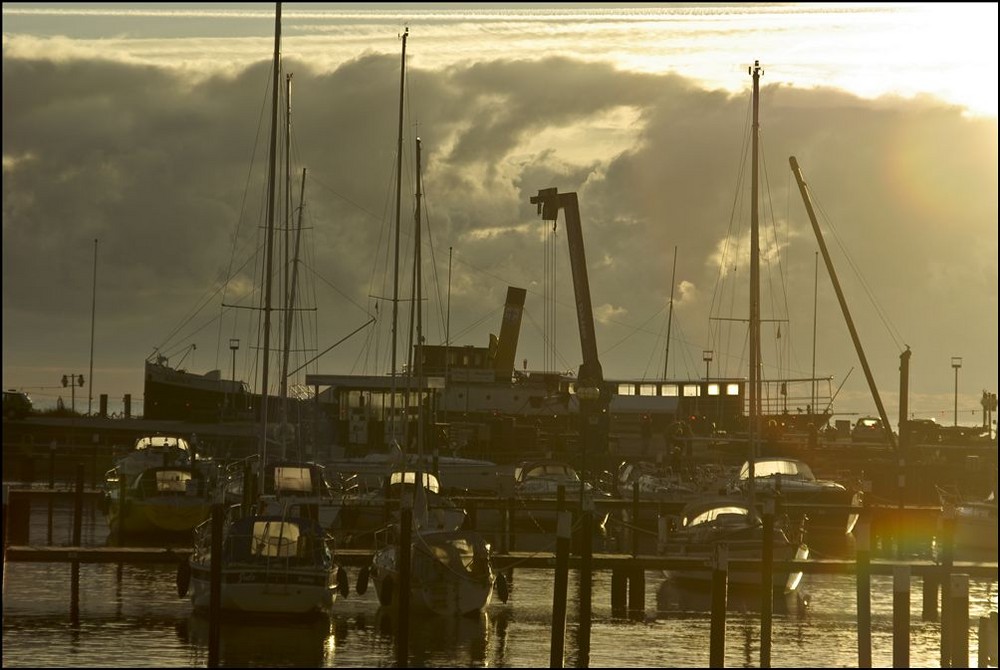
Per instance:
(590,387)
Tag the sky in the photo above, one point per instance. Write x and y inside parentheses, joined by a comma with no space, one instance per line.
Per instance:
(145,127)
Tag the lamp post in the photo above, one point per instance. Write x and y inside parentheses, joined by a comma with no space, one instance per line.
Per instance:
(72,381)
(234,344)
(706,356)
(956,362)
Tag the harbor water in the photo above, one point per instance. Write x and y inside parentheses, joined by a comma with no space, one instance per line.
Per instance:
(132,617)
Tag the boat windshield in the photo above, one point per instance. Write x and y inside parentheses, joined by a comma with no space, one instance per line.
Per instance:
(280,539)
(717,513)
(292,479)
(409,477)
(769,467)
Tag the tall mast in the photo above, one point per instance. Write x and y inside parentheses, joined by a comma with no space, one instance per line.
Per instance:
(269,249)
(395,275)
(670,314)
(290,308)
(755,385)
(288,299)
(419,363)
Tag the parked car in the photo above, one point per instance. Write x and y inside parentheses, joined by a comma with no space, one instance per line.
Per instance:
(868,429)
(16,404)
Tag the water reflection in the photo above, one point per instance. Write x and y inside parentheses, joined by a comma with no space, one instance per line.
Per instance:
(674,597)
(441,640)
(247,642)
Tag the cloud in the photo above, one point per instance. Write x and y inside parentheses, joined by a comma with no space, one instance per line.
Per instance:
(167,174)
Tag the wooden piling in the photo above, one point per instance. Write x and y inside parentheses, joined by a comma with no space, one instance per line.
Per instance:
(958,615)
(864,593)
(619,592)
(637,593)
(52,485)
(947,526)
(563,535)
(983,656)
(74,607)
(586,583)
(929,608)
(215,585)
(767,584)
(901,617)
(402,595)
(993,638)
(720,586)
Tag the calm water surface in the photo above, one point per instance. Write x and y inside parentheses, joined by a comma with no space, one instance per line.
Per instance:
(138,620)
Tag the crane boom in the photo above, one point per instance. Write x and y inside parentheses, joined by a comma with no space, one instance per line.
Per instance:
(590,388)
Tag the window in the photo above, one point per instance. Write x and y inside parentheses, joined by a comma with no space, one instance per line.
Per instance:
(647,389)
(713,389)
(669,390)
(732,389)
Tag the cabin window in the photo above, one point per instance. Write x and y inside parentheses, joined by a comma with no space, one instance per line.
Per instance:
(669,390)
(692,390)
(732,389)
(275,539)
(713,389)
(625,389)
(647,389)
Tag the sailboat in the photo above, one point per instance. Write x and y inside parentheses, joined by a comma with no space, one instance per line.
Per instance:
(441,570)
(712,525)
(275,557)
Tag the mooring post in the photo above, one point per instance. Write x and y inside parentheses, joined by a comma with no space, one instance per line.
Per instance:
(586,583)
(77,538)
(901,616)
(864,593)
(52,486)
(929,608)
(993,638)
(637,593)
(720,585)
(634,530)
(403,589)
(215,585)
(767,583)
(947,524)
(959,625)
(563,534)
(983,655)
(619,591)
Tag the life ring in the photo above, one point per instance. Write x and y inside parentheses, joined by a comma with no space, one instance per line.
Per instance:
(385,593)
(343,587)
(183,578)
(363,580)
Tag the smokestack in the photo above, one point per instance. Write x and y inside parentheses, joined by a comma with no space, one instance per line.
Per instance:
(510,330)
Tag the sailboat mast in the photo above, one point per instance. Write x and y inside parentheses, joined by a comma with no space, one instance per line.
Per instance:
(755,382)
(395,275)
(670,314)
(269,248)
(419,363)
(288,301)
(290,310)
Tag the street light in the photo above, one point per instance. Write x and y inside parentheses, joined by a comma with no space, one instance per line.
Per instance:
(956,362)
(72,381)
(234,344)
